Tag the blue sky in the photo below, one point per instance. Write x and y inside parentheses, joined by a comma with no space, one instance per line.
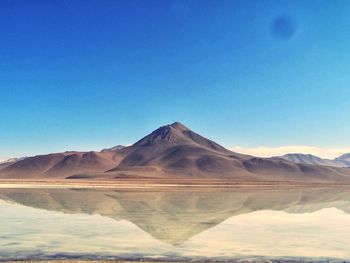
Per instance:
(80,75)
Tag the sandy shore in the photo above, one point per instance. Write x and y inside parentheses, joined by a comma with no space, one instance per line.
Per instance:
(154,184)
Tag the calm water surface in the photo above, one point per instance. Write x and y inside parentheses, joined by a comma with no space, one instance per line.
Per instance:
(81,223)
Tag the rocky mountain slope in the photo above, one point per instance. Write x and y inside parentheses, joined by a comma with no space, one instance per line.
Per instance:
(172,151)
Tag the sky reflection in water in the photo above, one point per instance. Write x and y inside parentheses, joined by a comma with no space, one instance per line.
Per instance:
(238,223)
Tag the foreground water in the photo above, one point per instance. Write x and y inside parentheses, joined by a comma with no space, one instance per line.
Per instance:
(307,224)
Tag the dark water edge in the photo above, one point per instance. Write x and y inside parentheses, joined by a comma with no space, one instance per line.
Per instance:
(64,258)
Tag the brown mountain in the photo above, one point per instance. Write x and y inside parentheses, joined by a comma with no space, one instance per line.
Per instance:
(175,149)
(60,165)
(172,151)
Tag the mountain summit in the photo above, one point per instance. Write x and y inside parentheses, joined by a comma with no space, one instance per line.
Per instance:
(177,133)
(171,151)
(174,148)
(171,133)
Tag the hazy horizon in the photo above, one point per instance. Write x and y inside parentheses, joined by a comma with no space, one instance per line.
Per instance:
(259,151)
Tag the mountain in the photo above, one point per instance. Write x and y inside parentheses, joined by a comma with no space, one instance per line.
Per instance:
(59,165)
(171,151)
(310,159)
(175,149)
(114,148)
(342,161)
(10,161)
(13,160)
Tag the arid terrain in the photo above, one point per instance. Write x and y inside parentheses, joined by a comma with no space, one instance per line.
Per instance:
(171,154)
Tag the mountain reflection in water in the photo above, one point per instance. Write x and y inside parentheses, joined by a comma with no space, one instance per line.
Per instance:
(226,223)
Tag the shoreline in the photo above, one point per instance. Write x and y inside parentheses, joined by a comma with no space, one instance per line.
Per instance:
(234,259)
(158,184)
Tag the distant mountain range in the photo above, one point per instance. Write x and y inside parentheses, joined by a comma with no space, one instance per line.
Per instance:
(172,151)
(341,161)
(10,161)
(114,148)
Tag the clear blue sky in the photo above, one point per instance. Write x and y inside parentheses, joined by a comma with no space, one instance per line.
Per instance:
(90,74)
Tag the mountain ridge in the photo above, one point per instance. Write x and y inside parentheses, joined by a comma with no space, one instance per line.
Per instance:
(171,151)
(341,161)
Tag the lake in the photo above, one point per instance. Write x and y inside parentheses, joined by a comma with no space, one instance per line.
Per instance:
(225,224)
